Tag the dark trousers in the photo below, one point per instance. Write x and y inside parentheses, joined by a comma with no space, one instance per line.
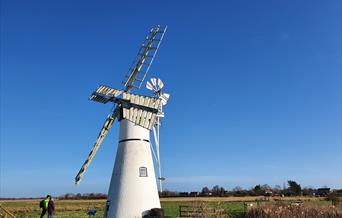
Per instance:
(43,213)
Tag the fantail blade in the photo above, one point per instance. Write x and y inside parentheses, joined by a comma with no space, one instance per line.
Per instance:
(160,84)
(154,82)
(164,98)
(149,86)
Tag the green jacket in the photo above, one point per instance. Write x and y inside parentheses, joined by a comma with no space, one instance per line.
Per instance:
(46,203)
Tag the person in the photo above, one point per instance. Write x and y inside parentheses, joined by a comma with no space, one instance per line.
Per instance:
(51,208)
(44,205)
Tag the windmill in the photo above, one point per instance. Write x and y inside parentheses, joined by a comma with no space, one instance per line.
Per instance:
(133,190)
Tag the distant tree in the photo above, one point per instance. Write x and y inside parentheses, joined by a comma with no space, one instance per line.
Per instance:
(294,187)
(308,191)
(237,189)
(276,190)
(222,192)
(267,190)
(168,193)
(78,196)
(205,191)
(216,190)
(66,196)
(258,190)
(265,187)
(277,187)
(83,196)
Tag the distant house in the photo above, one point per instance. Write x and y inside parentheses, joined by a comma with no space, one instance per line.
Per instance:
(206,194)
(323,192)
(194,194)
(268,192)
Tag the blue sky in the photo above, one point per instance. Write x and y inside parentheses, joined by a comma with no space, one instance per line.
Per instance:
(255,91)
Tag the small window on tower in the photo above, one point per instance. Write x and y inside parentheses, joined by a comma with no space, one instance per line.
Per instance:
(142,171)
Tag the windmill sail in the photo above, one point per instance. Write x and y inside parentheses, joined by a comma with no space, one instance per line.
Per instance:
(106,126)
(104,94)
(142,63)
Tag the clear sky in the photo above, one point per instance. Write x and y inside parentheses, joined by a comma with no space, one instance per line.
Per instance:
(255,91)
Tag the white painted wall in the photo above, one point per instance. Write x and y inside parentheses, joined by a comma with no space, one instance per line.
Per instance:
(129,194)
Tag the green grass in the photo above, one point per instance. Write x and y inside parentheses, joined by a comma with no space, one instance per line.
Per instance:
(59,214)
(171,209)
(234,209)
(78,209)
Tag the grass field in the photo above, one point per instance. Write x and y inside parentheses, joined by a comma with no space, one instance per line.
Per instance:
(78,208)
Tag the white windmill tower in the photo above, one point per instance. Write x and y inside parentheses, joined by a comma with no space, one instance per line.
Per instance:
(133,190)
